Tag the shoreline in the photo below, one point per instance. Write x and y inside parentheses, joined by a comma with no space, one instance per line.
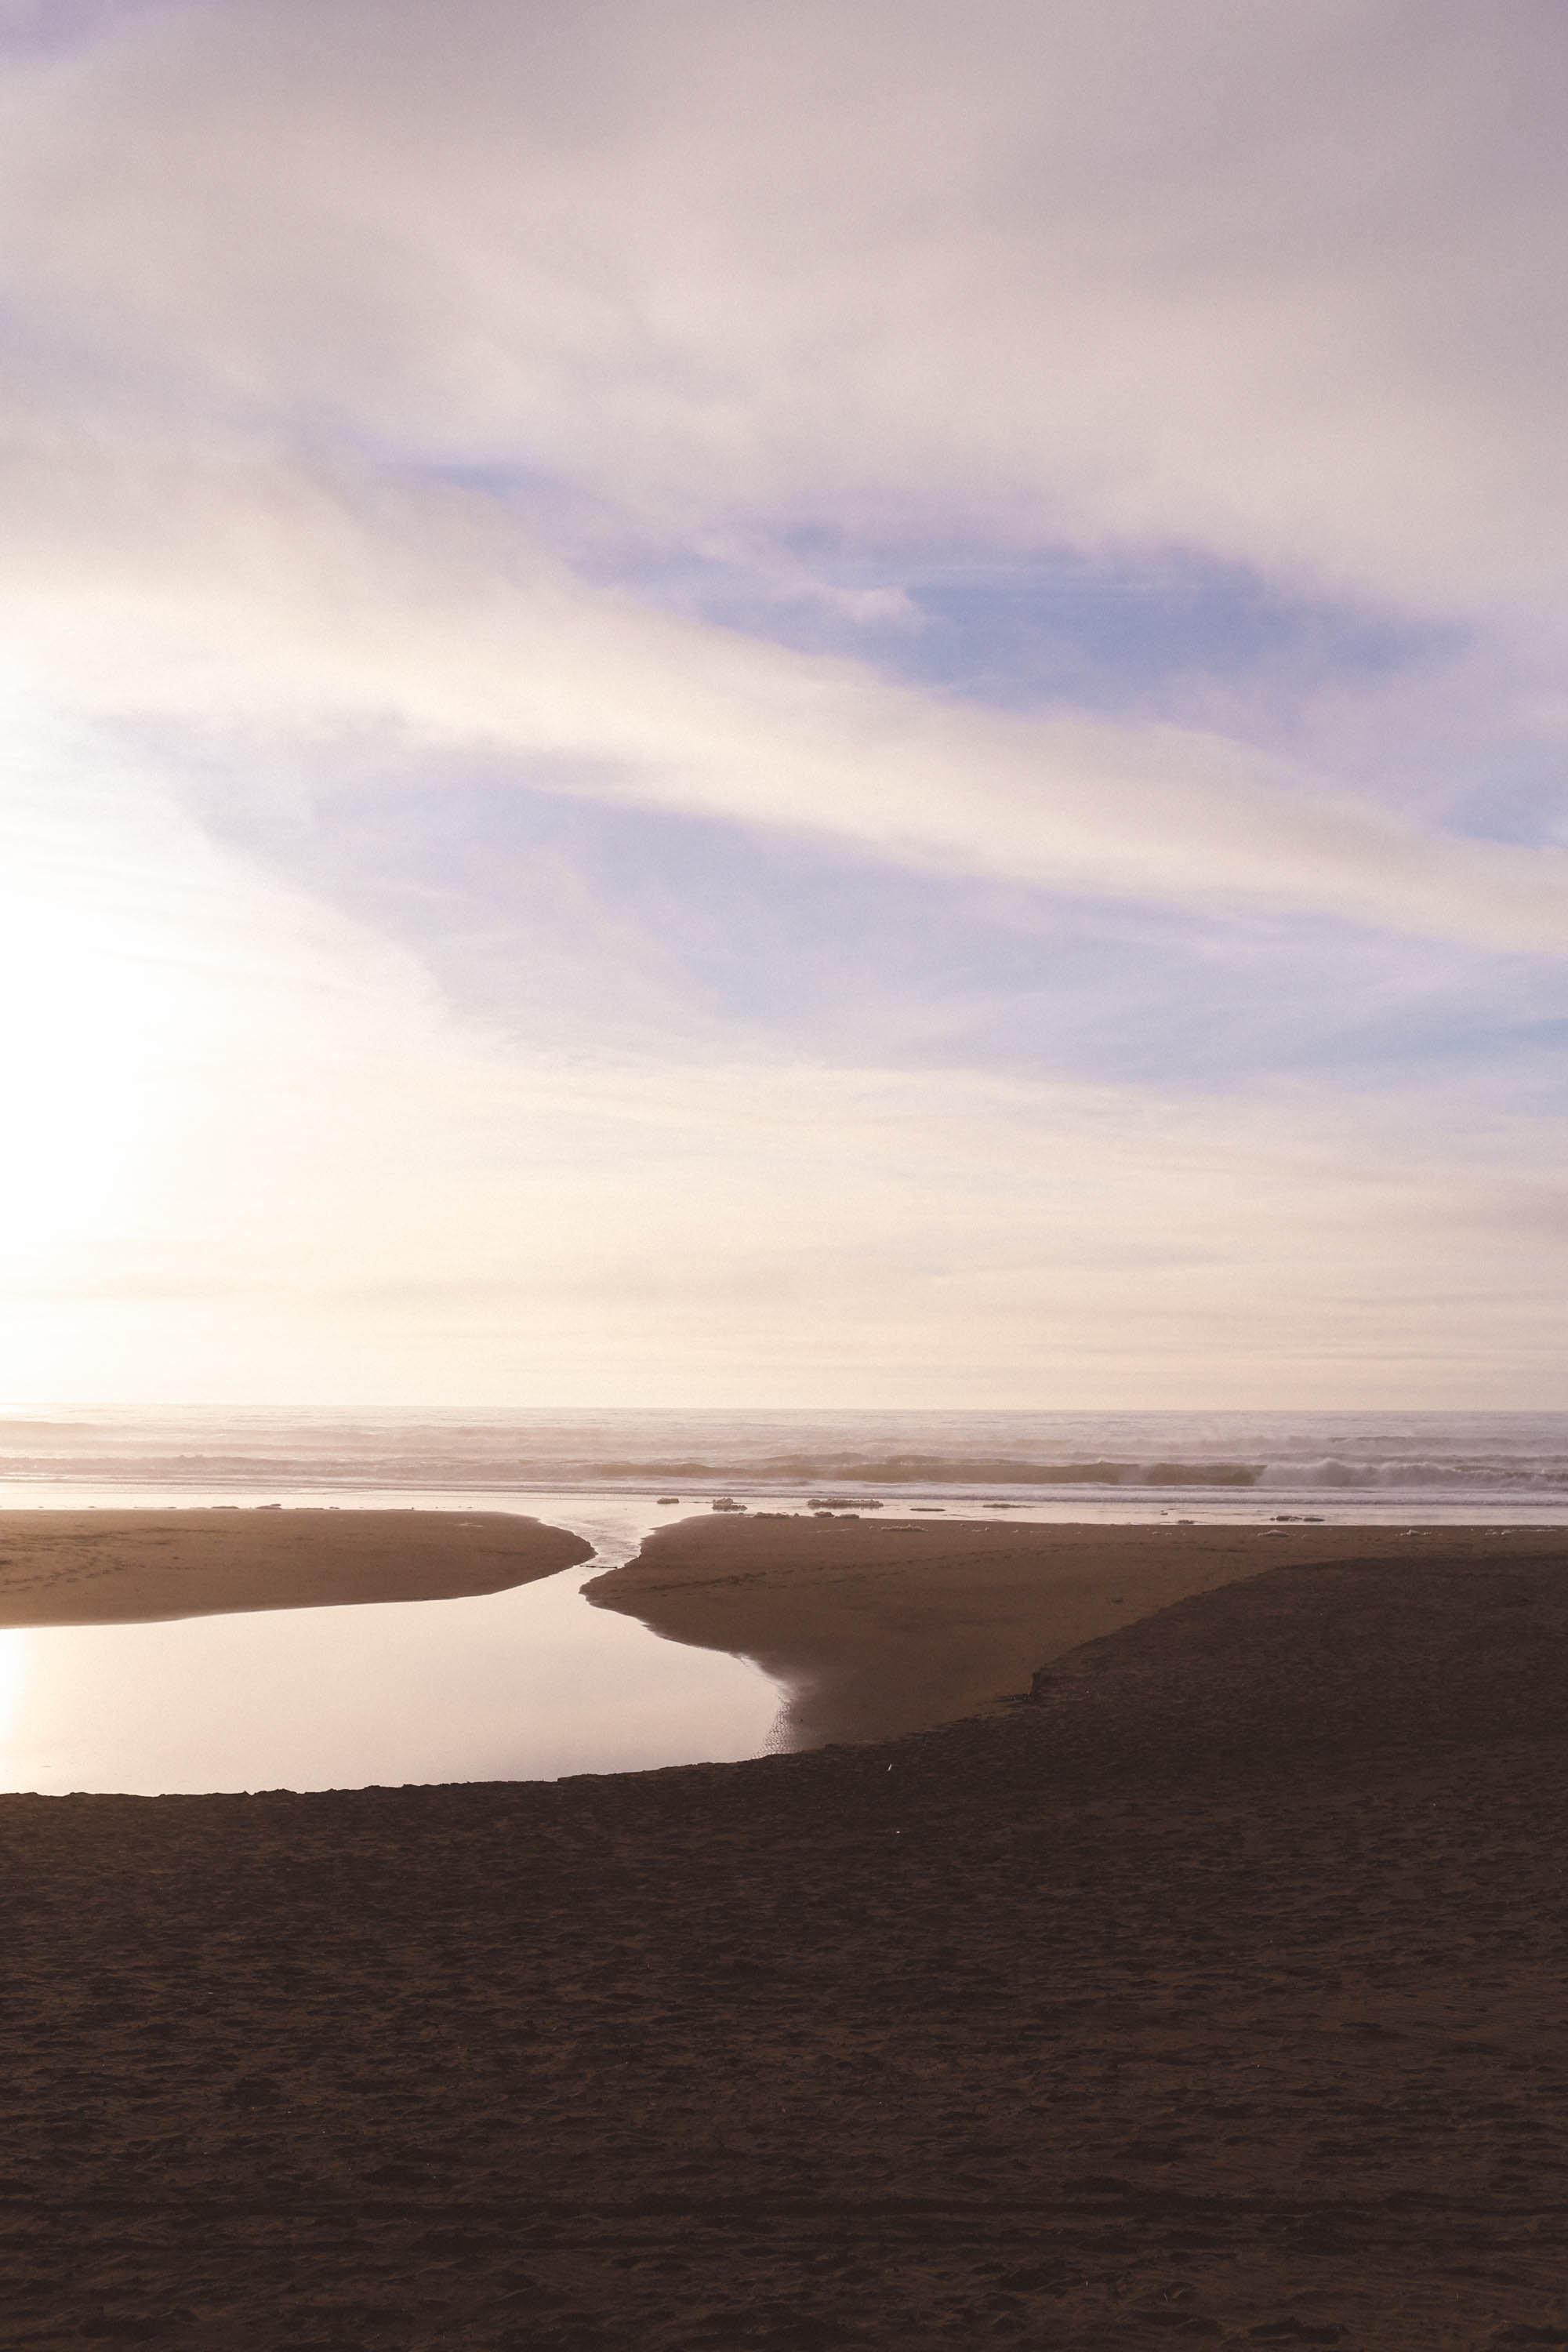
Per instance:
(870,1628)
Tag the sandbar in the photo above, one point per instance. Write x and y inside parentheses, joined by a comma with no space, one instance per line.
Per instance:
(875,1628)
(119,1568)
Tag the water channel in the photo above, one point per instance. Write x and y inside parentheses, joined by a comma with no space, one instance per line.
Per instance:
(532,1683)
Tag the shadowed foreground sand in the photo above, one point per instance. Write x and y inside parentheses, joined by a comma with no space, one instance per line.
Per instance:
(102,1568)
(1220,1996)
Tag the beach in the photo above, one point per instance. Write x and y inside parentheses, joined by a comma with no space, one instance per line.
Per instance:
(882,1627)
(104,1568)
(1211,1986)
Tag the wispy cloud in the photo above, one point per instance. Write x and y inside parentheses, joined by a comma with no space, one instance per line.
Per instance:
(261,594)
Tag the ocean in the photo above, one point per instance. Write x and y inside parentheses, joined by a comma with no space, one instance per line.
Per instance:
(1449,1466)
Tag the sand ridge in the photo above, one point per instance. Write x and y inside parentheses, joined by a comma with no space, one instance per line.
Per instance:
(99,1567)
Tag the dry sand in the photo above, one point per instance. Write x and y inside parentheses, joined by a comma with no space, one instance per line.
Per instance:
(1219,1995)
(103,1568)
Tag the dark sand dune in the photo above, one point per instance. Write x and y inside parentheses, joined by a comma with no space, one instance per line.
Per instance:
(1221,1997)
(101,1567)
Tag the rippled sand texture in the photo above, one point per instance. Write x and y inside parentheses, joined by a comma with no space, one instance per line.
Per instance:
(118,1568)
(1220,1996)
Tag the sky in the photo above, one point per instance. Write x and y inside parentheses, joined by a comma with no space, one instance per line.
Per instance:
(859,704)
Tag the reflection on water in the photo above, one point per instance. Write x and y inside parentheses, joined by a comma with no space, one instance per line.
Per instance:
(527,1685)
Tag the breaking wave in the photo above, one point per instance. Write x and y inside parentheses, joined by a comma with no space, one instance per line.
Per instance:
(1449,1454)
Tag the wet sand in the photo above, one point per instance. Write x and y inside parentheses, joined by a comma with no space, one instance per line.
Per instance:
(1217,1995)
(126,1568)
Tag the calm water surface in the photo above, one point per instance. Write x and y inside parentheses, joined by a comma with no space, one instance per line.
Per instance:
(528,1684)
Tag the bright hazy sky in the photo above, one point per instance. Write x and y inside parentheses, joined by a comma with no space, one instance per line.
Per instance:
(856,703)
